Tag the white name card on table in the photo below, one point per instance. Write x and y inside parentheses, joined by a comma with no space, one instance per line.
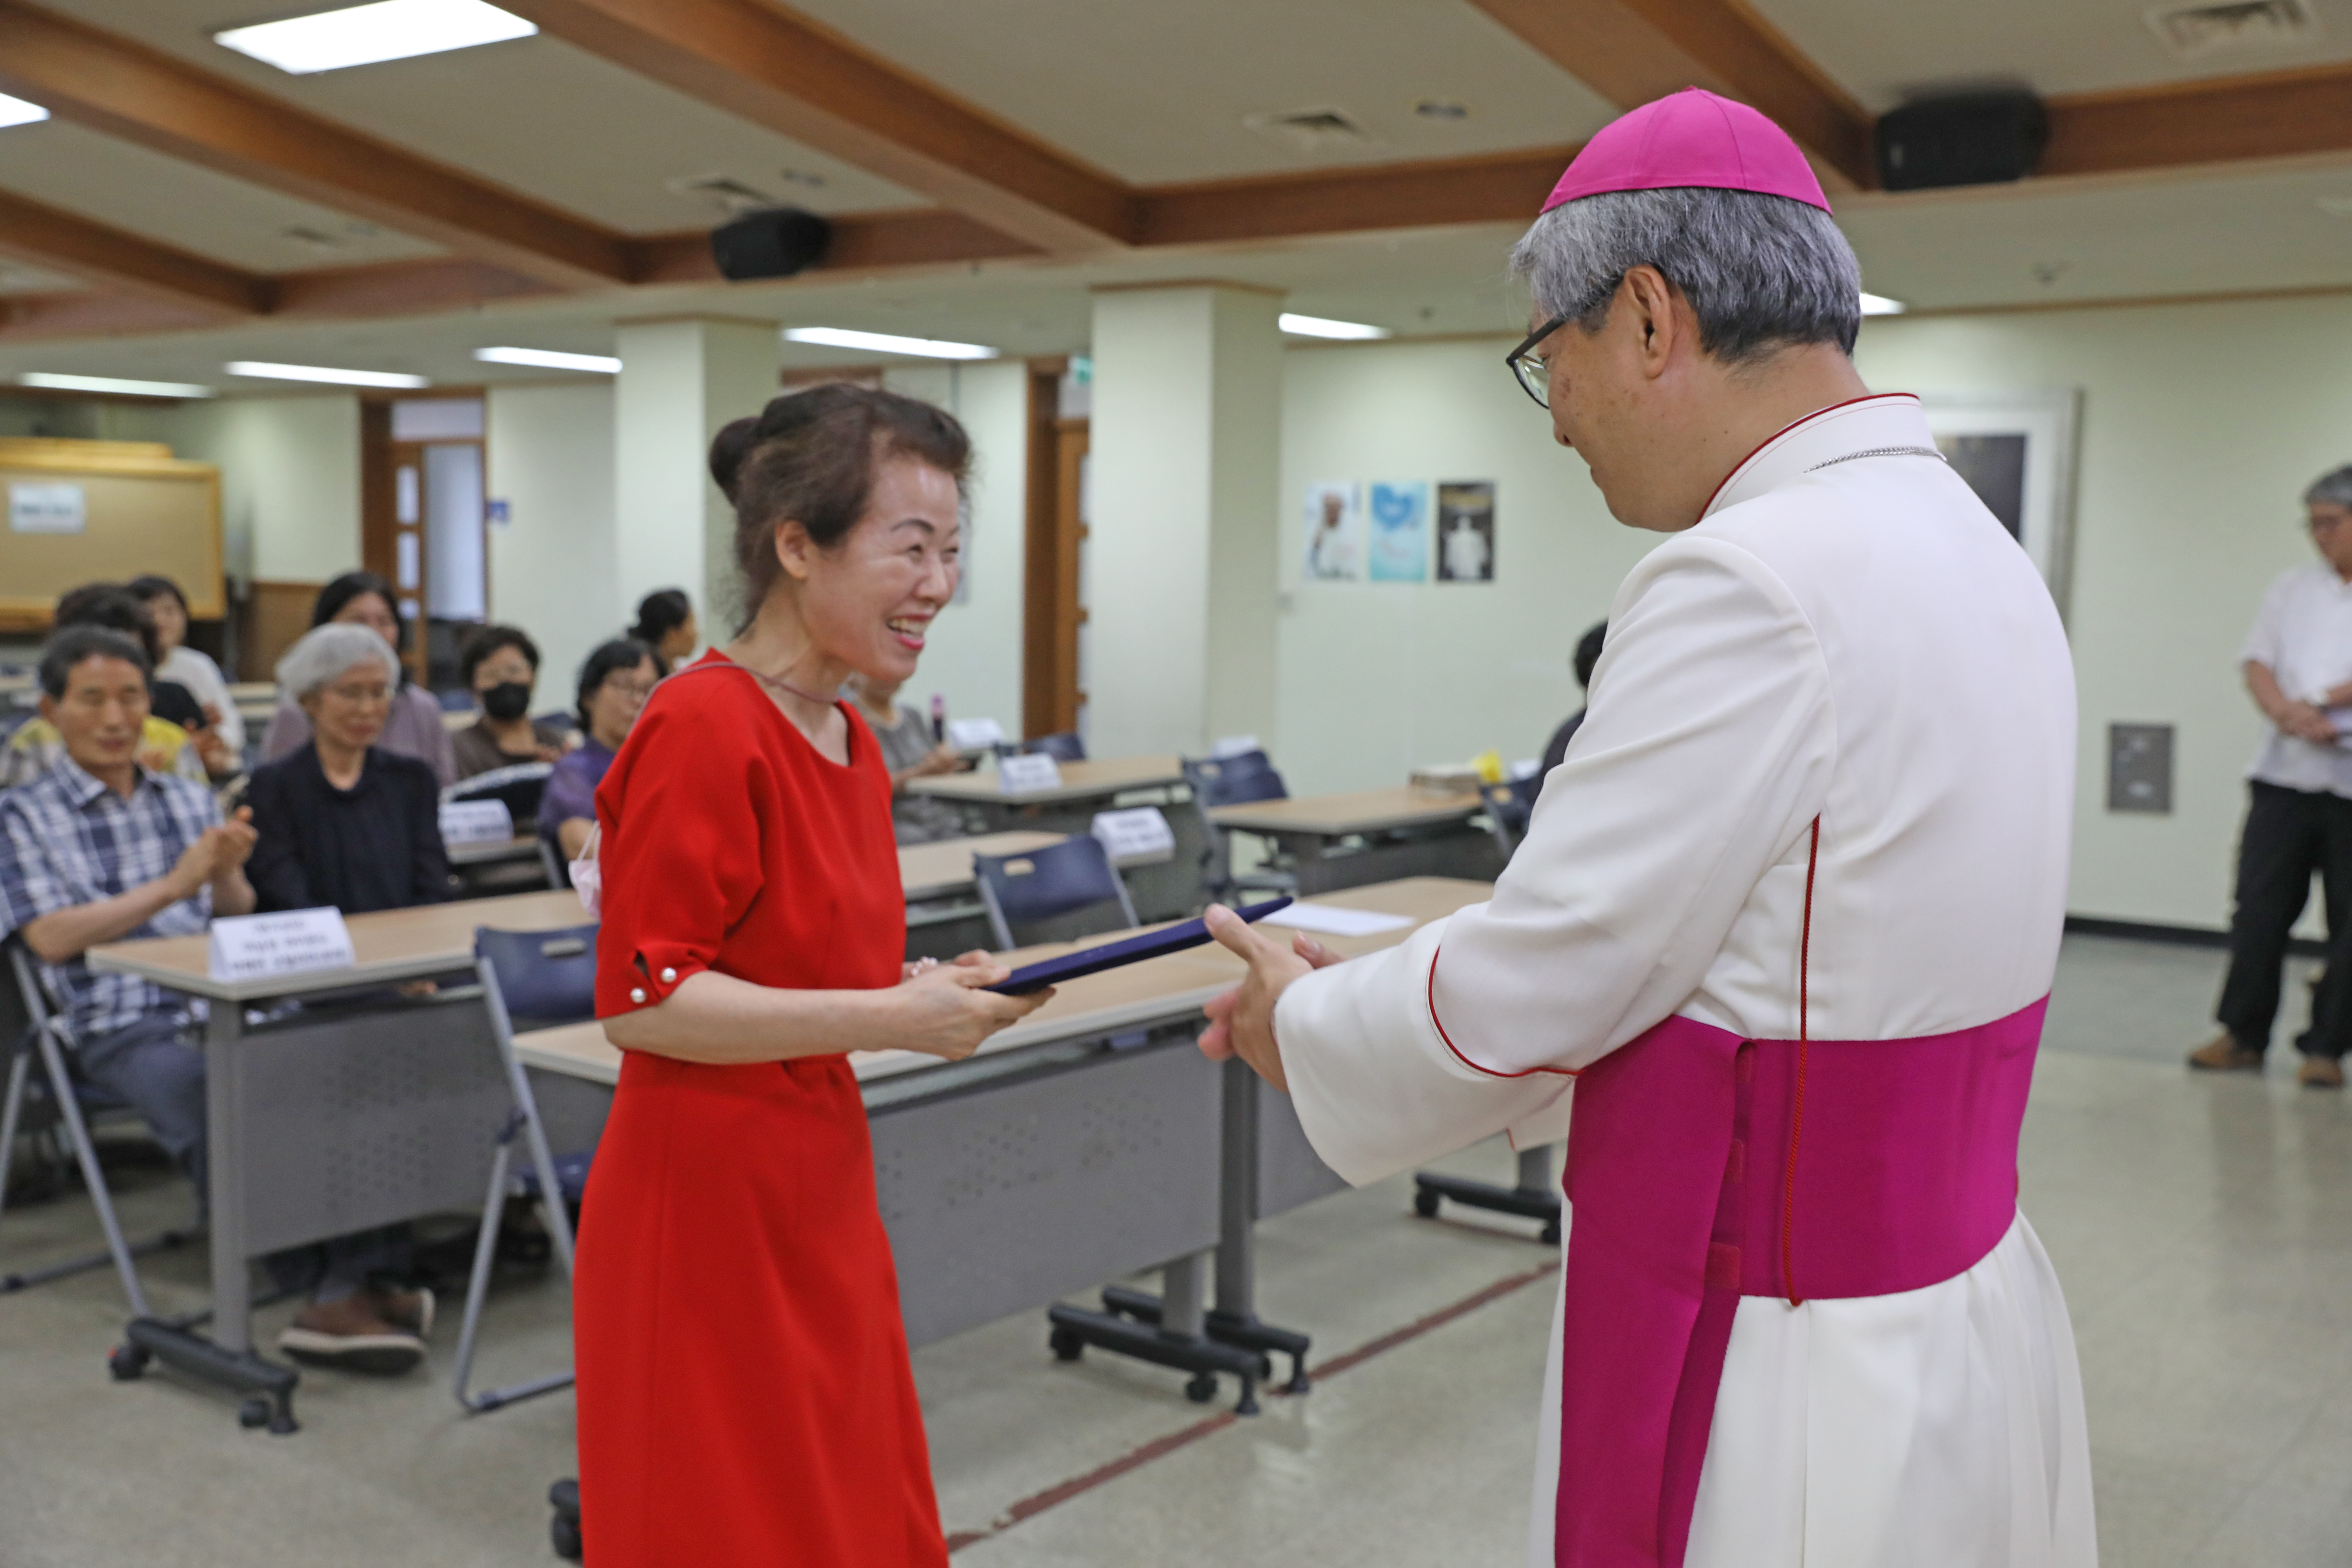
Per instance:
(1136,837)
(1026,774)
(476,822)
(1234,746)
(1332,919)
(259,947)
(974,734)
(43,508)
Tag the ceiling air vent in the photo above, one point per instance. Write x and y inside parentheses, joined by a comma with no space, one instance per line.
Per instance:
(1314,130)
(2234,27)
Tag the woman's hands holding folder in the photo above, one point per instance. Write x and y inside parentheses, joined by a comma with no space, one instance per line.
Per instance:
(1241,1022)
(944,1011)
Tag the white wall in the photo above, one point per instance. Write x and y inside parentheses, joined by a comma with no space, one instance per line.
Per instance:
(973,654)
(551,561)
(290,480)
(1375,679)
(2201,424)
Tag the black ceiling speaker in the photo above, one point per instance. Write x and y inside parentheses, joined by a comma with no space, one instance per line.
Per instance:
(773,242)
(1968,139)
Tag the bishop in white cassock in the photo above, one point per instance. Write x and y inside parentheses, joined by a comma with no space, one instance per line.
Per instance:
(1774,951)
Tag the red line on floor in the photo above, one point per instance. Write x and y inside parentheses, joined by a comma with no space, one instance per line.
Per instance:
(1183,1437)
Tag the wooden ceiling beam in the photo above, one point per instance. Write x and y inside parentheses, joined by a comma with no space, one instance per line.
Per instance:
(38,318)
(61,241)
(782,70)
(1506,187)
(2275,114)
(127,89)
(1630,51)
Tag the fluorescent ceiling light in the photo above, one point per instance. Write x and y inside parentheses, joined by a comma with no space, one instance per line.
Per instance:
(112,383)
(363,35)
(885,343)
(16,112)
(548,359)
(1319,327)
(268,372)
(1880,305)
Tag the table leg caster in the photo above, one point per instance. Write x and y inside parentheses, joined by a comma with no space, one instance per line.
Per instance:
(126,1362)
(1551,1234)
(1066,1345)
(1202,1387)
(1424,1203)
(260,1410)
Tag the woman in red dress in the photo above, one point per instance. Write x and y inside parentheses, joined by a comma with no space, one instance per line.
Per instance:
(744,1391)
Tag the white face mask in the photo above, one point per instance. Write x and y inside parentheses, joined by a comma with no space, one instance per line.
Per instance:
(588,877)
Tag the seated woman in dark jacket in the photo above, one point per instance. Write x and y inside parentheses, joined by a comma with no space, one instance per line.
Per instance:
(343,821)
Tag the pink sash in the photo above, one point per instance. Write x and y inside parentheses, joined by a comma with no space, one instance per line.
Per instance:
(1685,1199)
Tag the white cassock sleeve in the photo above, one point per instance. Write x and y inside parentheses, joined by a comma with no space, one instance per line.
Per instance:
(1698,770)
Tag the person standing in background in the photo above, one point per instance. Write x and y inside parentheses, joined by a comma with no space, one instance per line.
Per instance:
(167,612)
(2298,668)
(414,727)
(665,624)
(1587,654)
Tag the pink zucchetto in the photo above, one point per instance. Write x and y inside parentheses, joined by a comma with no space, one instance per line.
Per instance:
(1691,138)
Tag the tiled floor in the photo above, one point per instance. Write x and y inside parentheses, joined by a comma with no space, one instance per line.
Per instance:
(2203,1230)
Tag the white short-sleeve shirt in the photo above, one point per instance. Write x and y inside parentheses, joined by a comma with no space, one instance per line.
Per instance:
(2304,633)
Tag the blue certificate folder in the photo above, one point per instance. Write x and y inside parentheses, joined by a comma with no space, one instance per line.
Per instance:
(1113,955)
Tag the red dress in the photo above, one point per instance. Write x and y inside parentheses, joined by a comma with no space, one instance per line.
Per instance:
(744,1392)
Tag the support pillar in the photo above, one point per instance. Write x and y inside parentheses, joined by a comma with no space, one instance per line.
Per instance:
(1184,518)
(679,382)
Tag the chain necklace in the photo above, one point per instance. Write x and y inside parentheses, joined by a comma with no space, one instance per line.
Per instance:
(782,684)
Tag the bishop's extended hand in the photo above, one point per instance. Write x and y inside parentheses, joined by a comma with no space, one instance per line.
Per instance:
(1241,1022)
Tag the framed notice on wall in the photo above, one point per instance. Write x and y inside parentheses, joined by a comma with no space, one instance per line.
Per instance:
(89,511)
(2016,451)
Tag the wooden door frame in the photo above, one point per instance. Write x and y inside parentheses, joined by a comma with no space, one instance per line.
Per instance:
(1050,612)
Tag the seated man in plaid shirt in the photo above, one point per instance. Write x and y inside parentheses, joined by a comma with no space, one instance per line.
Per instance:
(100,849)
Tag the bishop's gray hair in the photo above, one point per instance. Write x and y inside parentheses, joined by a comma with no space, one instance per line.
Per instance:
(326,653)
(2333,489)
(1761,272)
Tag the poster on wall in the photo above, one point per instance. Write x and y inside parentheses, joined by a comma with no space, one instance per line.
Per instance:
(2016,451)
(1335,532)
(1400,532)
(1465,531)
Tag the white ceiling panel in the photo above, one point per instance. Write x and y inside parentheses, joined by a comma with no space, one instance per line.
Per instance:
(181,205)
(534,114)
(1159,92)
(1883,53)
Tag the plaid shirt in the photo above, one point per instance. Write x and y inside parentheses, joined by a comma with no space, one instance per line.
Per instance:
(65,840)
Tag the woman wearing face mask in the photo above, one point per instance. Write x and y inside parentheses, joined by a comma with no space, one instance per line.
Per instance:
(501,666)
(745,1395)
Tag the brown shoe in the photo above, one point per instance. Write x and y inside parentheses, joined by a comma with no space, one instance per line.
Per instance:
(409,1309)
(348,1334)
(2223,1053)
(2320,1072)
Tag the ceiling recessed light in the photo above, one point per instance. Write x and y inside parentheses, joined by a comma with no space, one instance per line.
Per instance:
(886,344)
(58,382)
(1880,305)
(550,359)
(363,34)
(16,112)
(1442,109)
(1320,327)
(263,370)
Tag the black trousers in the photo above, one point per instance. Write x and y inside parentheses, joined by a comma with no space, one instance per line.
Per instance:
(2289,834)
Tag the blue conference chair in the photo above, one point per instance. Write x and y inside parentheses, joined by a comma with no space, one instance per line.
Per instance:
(543,978)
(1238,780)
(1066,747)
(30,1029)
(1051,885)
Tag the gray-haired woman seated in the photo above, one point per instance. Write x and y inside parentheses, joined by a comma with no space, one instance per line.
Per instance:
(343,821)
